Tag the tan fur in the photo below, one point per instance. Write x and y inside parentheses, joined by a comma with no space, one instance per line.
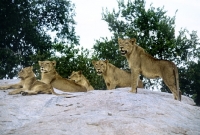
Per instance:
(50,76)
(29,85)
(141,62)
(113,76)
(79,78)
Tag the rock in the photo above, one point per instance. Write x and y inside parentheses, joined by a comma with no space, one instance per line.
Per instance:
(98,112)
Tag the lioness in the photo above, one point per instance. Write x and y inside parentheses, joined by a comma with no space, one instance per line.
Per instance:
(79,78)
(141,62)
(114,76)
(50,76)
(29,85)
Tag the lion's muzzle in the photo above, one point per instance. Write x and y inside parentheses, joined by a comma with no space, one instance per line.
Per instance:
(42,69)
(99,72)
(123,52)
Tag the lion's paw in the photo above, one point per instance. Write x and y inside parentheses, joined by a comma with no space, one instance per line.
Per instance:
(3,88)
(24,93)
(133,91)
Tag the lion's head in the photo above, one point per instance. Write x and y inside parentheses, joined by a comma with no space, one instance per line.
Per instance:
(47,66)
(76,76)
(100,66)
(126,45)
(26,72)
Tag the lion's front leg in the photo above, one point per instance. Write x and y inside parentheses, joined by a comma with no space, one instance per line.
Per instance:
(110,85)
(17,91)
(24,93)
(12,86)
(134,80)
(4,87)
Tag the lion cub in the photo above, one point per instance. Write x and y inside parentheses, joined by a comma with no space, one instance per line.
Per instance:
(28,84)
(113,76)
(141,62)
(79,78)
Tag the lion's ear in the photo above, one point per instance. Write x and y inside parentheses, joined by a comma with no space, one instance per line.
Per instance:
(39,62)
(119,40)
(80,72)
(93,62)
(31,67)
(133,41)
(106,61)
(54,63)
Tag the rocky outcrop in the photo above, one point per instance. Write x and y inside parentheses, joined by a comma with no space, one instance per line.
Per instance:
(98,112)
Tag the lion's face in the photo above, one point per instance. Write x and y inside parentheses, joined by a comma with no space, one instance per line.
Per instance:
(47,66)
(126,46)
(26,72)
(75,76)
(100,66)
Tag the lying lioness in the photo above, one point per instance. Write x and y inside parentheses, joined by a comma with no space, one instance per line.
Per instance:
(141,62)
(113,76)
(29,85)
(79,78)
(50,76)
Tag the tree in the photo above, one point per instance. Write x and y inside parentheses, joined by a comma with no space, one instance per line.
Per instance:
(24,29)
(154,31)
(190,81)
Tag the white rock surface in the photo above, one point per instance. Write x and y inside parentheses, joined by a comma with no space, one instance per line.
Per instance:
(109,112)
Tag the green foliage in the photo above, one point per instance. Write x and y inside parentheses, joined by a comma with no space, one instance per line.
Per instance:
(190,81)
(153,30)
(24,29)
(108,49)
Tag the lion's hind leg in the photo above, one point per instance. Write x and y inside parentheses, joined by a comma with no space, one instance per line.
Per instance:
(170,81)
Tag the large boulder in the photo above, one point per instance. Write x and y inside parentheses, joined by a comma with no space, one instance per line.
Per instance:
(98,112)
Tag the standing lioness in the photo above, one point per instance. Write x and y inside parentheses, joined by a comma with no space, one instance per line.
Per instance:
(113,76)
(141,62)
(50,76)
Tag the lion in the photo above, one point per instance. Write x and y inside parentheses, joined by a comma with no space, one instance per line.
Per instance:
(113,76)
(140,62)
(29,85)
(79,78)
(50,76)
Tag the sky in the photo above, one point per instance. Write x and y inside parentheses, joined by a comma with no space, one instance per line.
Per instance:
(90,27)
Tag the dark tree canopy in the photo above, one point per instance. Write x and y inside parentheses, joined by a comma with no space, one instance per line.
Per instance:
(24,29)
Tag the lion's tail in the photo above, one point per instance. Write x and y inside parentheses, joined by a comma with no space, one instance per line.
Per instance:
(53,92)
(65,95)
(177,82)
